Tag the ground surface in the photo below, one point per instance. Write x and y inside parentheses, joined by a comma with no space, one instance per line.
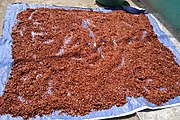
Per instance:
(165,114)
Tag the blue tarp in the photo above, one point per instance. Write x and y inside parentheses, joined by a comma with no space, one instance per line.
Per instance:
(133,105)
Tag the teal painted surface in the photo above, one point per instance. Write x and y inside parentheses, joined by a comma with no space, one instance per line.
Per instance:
(111,3)
(170,10)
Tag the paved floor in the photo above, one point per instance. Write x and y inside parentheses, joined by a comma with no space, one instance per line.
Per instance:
(164,114)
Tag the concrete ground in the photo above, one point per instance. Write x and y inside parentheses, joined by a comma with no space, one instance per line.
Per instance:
(172,113)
